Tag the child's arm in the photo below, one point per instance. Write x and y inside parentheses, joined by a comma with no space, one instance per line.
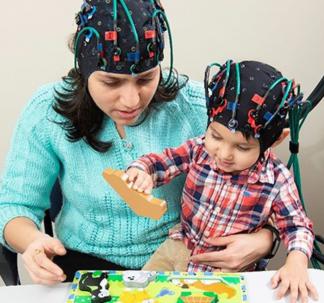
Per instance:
(153,170)
(296,230)
(293,277)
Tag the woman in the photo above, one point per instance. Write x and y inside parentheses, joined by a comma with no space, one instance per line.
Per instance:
(114,106)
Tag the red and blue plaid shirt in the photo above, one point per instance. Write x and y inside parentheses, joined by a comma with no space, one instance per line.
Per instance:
(216,204)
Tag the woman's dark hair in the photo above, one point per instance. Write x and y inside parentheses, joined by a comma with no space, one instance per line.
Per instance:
(83,117)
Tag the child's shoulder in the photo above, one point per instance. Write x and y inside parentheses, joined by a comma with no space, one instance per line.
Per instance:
(196,146)
(280,169)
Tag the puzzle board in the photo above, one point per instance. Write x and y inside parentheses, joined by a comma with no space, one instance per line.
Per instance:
(157,287)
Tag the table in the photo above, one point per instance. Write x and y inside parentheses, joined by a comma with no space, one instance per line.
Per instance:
(259,290)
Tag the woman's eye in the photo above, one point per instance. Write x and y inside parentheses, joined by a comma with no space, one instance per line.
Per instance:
(112,84)
(144,80)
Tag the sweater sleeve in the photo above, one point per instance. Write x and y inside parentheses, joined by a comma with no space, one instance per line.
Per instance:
(295,228)
(169,164)
(31,167)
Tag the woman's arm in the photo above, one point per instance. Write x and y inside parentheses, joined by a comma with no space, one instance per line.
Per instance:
(31,169)
(37,250)
(20,232)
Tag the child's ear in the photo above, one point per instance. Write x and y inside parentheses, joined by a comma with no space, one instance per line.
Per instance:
(283,136)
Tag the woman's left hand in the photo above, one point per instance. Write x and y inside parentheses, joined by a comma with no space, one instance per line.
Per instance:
(240,251)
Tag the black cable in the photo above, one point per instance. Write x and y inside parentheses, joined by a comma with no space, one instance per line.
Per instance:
(315,97)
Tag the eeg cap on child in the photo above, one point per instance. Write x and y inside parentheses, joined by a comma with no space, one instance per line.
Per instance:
(251,97)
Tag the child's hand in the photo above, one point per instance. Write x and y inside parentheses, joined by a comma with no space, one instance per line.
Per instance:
(140,180)
(293,276)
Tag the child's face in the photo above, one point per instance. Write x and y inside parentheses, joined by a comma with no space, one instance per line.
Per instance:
(232,152)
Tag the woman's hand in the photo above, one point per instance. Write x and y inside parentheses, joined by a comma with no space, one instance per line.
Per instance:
(240,251)
(139,180)
(38,257)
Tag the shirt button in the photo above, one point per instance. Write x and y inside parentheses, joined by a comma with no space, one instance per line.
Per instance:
(127,145)
(217,209)
(206,233)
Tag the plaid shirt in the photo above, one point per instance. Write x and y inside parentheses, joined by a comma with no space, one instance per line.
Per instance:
(216,204)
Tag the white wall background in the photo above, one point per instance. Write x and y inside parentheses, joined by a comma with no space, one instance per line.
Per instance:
(287,34)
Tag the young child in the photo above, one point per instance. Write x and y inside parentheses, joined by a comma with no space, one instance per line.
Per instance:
(234,181)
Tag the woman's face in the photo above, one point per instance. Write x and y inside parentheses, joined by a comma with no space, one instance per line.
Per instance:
(123,97)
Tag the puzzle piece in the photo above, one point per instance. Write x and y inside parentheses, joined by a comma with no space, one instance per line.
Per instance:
(138,278)
(142,204)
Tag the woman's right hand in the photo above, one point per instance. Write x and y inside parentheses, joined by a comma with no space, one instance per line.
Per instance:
(240,252)
(139,180)
(38,257)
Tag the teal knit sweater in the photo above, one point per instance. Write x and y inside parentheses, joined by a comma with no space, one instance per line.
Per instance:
(93,218)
